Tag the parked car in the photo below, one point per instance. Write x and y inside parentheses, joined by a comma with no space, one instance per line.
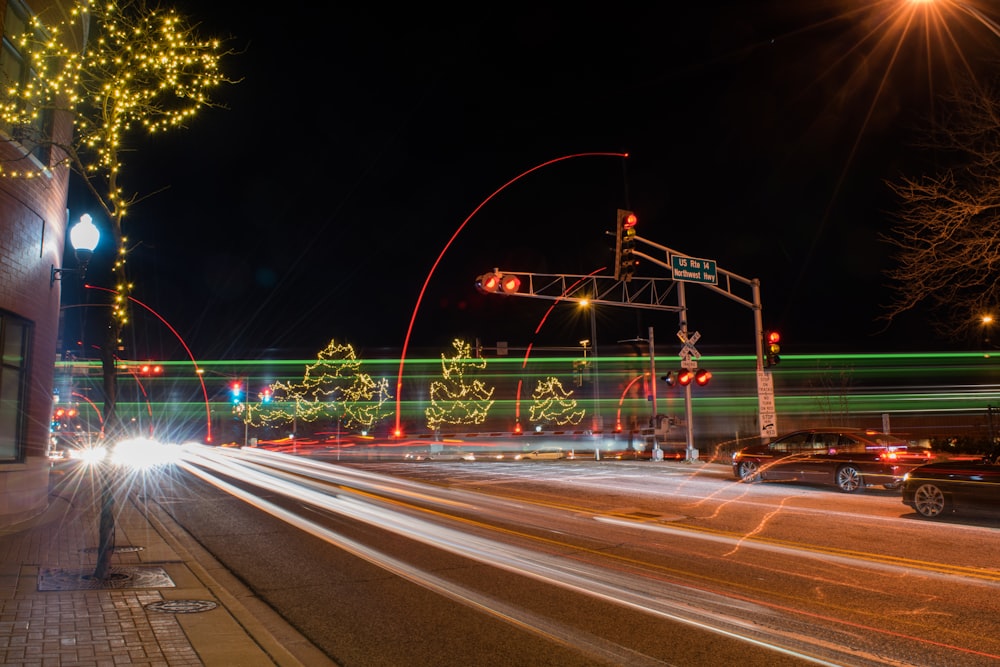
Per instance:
(942,487)
(849,459)
(543,453)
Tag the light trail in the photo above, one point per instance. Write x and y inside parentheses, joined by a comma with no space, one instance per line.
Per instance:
(413,317)
(631,585)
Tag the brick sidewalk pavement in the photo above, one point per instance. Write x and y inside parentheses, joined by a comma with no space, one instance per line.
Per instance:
(166,603)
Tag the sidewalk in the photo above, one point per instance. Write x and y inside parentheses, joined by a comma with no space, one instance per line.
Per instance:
(167,602)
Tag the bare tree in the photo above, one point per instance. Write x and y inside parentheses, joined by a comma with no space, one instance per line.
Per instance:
(947,237)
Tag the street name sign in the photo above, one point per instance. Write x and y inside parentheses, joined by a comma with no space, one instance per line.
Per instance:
(693,270)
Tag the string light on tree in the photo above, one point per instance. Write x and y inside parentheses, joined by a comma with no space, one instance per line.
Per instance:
(335,388)
(454,398)
(552,404)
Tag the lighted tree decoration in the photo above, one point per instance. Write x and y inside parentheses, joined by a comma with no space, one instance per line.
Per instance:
(121,70)
(455,399)
(335,388)
(140,72)
(552,404)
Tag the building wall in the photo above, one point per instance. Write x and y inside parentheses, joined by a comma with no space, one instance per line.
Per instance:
(32,236)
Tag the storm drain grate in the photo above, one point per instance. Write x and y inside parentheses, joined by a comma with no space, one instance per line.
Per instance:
(181,606)
(62,579)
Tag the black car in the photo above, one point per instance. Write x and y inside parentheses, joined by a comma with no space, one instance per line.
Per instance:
(849,459)
(934,489)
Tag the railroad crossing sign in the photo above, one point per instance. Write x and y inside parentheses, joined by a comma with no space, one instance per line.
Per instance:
(688,349)
(689,354)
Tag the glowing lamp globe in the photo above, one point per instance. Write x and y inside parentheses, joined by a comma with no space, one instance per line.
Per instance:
(84,236)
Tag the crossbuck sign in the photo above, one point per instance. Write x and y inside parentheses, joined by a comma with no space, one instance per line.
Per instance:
(689,354)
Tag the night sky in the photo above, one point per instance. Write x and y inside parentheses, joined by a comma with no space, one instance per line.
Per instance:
(760,135)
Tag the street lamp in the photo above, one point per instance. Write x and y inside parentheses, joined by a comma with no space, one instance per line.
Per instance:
(585,303)
(83,236)
(987,321)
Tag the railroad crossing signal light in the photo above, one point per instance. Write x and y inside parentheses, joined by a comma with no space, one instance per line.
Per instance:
(510,284)
(669,379)
(687,376)
(625,259)
(490,283)
(772,348)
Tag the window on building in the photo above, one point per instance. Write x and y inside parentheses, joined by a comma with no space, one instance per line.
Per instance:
(15,67)
(14,336)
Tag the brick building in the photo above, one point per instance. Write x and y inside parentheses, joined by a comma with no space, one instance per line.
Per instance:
(33,222)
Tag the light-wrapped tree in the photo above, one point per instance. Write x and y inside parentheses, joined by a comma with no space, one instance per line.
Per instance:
(552,404)
(122,71)
(334,388)
(455,398)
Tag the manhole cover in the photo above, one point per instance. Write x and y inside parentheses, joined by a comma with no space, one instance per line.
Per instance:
(117,550)
(181,606)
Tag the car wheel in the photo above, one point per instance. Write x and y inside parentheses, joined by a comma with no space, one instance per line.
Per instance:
(749,472)
(848,479)
(929,501)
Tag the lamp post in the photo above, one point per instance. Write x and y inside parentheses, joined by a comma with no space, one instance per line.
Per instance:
(84,237)
(597,423)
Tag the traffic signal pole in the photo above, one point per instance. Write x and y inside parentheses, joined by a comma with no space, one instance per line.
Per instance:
(625,289)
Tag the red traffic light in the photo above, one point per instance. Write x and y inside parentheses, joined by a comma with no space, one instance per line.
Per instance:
(630,221)
(772,348)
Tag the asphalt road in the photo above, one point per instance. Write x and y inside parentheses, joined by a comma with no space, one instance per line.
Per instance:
(590,563)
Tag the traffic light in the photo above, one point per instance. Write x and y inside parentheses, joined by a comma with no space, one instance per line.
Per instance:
(772,348)
(625,259)
(235,390)
(265,396)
